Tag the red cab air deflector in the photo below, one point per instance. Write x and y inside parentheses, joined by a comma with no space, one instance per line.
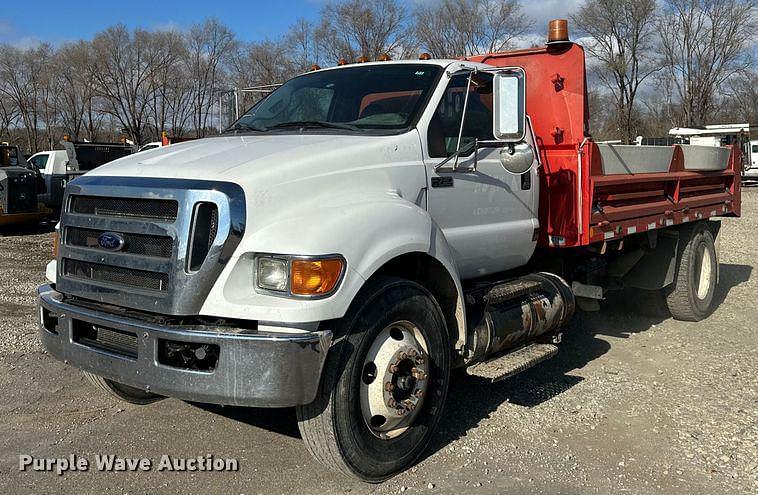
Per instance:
(579,205)
(556,101)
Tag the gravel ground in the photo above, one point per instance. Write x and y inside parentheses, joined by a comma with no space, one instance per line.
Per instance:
(631,404)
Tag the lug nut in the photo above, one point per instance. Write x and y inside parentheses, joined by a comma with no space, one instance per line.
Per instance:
(393,368)
(389,386)
(392,403)
(400,412)
(419,393)
(419,359)
(403,355)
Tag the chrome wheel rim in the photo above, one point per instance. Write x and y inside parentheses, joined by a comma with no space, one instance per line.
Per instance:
(394,379)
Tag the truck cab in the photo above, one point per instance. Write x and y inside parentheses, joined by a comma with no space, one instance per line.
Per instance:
(362,231)
(53,167)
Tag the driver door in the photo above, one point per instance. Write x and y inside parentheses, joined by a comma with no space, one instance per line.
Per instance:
(488,216)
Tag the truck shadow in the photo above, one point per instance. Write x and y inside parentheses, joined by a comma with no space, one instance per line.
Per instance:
(472,399)
(44,227)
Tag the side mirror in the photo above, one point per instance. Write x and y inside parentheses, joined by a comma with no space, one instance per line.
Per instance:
(517,159)
(509,94)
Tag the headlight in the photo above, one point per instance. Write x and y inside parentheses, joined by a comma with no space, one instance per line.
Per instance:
(299,276)
(272,274)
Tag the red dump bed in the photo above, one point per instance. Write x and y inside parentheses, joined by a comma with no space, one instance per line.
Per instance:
(591,192)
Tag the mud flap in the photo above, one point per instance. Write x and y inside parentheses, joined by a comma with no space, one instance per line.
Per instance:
(656,269)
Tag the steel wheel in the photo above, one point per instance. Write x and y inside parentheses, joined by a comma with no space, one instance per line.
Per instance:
(395,378)
(384,383)
(704,274)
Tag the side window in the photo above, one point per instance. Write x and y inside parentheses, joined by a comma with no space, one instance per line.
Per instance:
(443,130)
(755,148)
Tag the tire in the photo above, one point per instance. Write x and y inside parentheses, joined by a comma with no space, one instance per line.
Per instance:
(122,392)
(690,297)
(336,427)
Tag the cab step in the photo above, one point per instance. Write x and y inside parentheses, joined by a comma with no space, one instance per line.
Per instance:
(507,365)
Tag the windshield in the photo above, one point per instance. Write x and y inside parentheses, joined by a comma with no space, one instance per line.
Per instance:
(378,99)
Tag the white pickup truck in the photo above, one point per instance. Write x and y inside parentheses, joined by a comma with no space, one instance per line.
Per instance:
(362,231)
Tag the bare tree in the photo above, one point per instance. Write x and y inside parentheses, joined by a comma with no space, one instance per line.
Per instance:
(301,39)
(704,44)
(125,67)
(209,44)
(361,28)
(23,77)
(81,113)
(172,90)
(741,101)
(623,51)
(455,28)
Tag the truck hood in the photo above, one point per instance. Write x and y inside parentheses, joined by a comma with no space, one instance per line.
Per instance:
(243,158)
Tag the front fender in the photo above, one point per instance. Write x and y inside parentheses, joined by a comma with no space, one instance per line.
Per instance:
(368,233)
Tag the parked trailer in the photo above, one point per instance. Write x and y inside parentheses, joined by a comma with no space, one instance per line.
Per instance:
(367,228)
(719,135)
(20,186)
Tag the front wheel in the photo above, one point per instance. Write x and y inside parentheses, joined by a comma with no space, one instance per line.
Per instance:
(122,392)
(384,383)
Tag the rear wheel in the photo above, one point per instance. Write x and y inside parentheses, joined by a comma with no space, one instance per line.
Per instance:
(690,297)
(122,392)
(384,383)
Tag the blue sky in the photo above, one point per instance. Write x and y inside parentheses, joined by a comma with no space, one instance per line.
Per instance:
(56,21)
(27,22)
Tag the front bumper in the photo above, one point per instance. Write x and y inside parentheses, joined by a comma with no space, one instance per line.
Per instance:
(253,369)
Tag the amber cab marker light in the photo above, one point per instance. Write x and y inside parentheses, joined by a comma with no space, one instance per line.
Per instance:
(424,56)
(363,60)
(56,243)
(315,277)
(558,31)
(384,57)
(315,67)
(342,61)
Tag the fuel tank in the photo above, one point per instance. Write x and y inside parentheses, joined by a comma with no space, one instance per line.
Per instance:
(517,311)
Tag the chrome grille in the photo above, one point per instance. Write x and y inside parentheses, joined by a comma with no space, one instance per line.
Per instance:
(114,275)
(157,223)
(139,244)
(161,209)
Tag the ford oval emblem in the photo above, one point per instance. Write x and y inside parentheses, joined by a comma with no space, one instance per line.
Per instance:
(111,241)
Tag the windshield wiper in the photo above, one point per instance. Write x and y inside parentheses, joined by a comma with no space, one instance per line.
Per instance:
(239,126)
(316,123)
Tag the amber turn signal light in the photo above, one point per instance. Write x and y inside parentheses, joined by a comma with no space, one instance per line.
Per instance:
(315,277)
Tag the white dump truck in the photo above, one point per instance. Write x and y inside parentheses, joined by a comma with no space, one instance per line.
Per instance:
(364,230)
